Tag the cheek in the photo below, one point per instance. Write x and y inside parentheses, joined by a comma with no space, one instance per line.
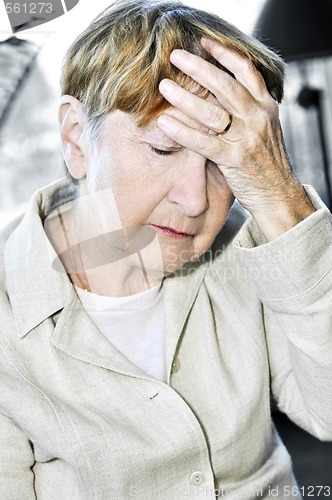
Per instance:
(138,194)
(99,172)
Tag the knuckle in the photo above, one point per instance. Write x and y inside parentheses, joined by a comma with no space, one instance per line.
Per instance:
(251,69)
(264,117)
(201,142)
(207,145)
(248,66)
(214,116)
(227,82)
(264,126)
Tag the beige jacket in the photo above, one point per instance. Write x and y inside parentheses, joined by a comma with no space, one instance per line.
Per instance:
(79,421)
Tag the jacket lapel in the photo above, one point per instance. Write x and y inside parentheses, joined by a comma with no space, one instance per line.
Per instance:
(76,335)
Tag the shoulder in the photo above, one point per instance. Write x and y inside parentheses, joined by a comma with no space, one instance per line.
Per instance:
(39,205)
(23,247)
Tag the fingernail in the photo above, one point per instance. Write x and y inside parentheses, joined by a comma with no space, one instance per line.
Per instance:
(178,55)
(166,86)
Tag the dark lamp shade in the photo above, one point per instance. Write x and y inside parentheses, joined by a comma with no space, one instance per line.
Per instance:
(297,29)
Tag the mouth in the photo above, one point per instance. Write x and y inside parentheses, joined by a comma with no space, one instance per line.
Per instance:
(169,231)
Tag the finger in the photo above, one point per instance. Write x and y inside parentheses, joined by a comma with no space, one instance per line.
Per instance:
(230,93)
(242,67)
(207,145)
(208,113)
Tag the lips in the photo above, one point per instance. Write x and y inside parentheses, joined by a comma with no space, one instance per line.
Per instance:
(169,231)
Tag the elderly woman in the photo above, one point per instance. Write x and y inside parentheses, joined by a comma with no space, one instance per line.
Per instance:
(144,321)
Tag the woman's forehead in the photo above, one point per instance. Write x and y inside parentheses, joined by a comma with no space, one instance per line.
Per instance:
(152,132)
(126,124)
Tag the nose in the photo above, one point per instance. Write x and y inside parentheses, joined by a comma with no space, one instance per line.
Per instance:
(189,188)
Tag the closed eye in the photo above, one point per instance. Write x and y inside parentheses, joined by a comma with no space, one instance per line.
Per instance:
(163,152)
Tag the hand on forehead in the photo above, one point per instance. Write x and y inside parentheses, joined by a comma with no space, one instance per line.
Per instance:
(233,99)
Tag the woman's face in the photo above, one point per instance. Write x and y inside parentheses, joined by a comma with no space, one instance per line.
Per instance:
(153,182)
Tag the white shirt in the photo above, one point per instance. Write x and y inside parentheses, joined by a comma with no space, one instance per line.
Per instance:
(133,324)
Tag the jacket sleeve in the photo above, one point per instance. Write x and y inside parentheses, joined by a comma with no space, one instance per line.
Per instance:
(16,460)
(293,279)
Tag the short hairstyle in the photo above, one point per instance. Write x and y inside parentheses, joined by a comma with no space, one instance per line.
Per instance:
(119,60)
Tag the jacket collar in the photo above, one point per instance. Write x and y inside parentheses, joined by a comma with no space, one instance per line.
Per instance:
(36,291)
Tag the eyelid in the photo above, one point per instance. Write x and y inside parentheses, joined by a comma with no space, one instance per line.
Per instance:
(164,152)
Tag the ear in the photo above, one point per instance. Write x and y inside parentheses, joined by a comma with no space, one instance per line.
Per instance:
(72,126)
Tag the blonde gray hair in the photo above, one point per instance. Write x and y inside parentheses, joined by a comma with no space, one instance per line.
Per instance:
(119,60)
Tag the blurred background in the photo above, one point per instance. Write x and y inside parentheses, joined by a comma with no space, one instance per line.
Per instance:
(30,155)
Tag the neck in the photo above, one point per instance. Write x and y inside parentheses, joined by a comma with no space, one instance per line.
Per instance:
(115,280)
(99,266)
(116,263)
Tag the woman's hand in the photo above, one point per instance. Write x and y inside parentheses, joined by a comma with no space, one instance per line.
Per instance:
(251,153)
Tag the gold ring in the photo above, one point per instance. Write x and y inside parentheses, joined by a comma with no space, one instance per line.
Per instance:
(228,126)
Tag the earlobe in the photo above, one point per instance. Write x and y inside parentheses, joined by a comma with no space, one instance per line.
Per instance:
(72,125)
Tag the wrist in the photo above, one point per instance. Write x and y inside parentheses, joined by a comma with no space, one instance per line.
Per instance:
(277,217)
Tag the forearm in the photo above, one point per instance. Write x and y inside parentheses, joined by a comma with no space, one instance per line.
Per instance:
(293,279)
